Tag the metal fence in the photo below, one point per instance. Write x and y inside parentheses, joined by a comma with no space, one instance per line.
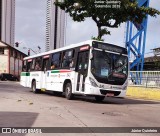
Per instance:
(144,78)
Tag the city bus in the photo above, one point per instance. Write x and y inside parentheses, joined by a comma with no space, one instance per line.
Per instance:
(90,68)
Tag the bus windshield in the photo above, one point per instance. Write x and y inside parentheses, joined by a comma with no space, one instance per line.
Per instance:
(109,68)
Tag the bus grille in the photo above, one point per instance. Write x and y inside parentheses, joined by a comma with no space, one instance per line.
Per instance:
(104,92)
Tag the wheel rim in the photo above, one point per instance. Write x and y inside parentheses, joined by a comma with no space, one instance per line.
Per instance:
(68,91)
(34,87)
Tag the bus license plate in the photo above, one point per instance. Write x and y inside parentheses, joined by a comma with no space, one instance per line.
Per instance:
(110,94)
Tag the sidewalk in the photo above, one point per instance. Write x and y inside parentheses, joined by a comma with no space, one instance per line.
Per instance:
(144,93)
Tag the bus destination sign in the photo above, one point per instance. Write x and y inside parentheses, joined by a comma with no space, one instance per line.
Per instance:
(109,47)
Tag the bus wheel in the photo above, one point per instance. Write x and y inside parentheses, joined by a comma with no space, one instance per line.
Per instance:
(34,87)
(68,91)
(99,98)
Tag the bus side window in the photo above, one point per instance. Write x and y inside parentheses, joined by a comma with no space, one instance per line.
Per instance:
(86,60)
(29,66)
(55,61)
(33,64)
(38,64)
(45,64)
(67,60)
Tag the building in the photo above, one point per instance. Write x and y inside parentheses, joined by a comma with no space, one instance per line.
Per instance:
(7,21)
(55,26)
(152,63)
(10,59)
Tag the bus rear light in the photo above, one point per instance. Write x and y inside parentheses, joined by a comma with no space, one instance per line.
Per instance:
(124,87)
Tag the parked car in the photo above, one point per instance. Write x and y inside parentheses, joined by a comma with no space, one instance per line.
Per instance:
(6,76)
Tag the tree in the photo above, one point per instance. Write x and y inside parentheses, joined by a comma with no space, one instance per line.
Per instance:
(106,14)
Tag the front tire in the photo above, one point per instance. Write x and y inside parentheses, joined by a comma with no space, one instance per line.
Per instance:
(99,98)
(34,89)
(68,91)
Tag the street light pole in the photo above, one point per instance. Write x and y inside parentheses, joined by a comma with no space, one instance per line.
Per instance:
(39,48)
(31,50)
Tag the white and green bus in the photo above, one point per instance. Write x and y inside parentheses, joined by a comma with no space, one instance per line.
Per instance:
(89,68)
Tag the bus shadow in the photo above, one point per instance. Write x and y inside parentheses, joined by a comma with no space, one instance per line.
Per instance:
(56,94)
(115,100)
(107,100)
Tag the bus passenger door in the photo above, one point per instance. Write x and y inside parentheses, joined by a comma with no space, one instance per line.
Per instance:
(44,73)
(82,69)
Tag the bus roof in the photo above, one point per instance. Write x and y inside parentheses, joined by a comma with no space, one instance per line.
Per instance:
(63,48)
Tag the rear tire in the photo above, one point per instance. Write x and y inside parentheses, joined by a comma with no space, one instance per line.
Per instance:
(99,98)
(68,91)
(34,89)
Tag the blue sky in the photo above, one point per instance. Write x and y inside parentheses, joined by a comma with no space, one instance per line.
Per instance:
(31,24)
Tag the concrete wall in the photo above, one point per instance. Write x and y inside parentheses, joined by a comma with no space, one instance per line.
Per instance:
(15,66)
(11,60)
(4,62)
(12,65)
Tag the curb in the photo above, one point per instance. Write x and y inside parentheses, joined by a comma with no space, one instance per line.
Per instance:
(144,93)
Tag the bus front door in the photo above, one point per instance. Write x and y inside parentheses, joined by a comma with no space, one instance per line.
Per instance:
(82,66)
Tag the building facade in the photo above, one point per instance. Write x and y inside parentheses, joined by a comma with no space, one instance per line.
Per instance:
(7,21)
(10,59)
(55,26)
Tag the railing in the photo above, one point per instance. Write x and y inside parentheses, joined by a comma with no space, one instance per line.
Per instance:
(144,78)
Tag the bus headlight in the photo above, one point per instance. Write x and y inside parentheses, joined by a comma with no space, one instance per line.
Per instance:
(93,83)
(124,87)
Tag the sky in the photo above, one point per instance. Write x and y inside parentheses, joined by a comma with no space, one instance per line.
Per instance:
(30,27)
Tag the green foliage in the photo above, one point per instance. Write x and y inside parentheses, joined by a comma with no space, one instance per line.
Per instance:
(157,63)
(97,38)
(79,10)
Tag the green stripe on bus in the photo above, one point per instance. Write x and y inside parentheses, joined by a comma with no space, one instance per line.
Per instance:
(55,71)
(60,71)
(25,74)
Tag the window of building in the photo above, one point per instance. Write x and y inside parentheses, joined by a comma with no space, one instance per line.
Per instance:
(24,67)
(22,57)
(16,54)
(1,50)
(55,61)
(11,52)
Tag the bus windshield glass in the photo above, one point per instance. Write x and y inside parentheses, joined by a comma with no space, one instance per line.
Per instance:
(111,68)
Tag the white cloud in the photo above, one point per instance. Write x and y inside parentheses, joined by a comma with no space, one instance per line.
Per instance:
(30,23)
(31,19)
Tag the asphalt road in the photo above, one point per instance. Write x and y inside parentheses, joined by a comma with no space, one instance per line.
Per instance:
(19,107)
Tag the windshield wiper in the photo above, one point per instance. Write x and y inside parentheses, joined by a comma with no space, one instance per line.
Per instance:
(119,69)
(107,57)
